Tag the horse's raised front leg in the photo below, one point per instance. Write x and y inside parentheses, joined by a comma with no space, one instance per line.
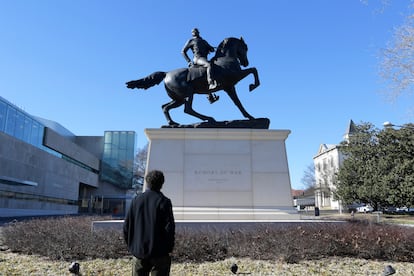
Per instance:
(233,96)
(188,108)
(253,71)
(256,79)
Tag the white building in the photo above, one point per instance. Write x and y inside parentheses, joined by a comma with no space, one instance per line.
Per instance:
(327,162)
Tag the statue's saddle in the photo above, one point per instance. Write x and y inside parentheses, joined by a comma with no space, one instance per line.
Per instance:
(196,72)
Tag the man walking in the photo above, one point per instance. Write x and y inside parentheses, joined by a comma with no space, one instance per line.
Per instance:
(149,229)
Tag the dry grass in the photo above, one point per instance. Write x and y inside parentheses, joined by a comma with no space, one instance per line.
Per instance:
(15,264)
(351,249)
(384,218)
(70,238)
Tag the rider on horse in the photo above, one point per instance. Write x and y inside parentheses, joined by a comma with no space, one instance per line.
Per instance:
(201,49)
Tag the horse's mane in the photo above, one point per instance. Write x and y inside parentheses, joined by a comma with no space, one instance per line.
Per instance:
(224,45)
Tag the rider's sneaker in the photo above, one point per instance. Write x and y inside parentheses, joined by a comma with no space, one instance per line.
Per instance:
(213,85)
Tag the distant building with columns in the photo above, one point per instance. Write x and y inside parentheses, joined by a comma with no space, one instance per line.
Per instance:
(327,163)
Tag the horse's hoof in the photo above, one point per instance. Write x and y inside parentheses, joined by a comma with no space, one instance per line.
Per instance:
(172,123)
(252,87)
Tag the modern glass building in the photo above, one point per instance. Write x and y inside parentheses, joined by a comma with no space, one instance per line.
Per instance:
(19,124)
(46,169)
(118,158)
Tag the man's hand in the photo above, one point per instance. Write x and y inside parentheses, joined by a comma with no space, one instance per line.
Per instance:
(190,64)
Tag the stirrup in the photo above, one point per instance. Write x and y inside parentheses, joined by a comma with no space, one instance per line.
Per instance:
(212,98)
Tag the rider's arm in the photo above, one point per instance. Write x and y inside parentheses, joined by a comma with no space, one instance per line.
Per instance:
(187,46)
(210,48)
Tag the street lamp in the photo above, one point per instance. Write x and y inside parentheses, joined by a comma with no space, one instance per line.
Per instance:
(388,124)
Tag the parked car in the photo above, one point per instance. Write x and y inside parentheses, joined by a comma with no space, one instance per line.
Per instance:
(365,209)
(353,207)
(389,210)
(404,210)
(401,210)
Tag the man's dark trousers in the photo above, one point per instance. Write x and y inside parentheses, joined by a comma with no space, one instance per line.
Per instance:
(157,266)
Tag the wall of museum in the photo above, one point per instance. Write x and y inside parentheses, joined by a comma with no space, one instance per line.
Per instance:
(33,181)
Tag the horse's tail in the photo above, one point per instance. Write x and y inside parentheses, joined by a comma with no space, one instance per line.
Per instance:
(147,82)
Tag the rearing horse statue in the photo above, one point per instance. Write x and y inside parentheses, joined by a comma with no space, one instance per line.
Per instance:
(182,84)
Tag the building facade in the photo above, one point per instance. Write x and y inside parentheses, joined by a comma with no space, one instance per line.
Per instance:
(327,163)
(47,170)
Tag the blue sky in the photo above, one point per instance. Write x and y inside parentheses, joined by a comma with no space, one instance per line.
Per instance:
(318,60)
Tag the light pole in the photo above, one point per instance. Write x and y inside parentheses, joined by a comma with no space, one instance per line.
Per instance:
(388,124)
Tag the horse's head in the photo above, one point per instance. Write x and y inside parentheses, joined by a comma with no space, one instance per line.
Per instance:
(235,48)
(242,53)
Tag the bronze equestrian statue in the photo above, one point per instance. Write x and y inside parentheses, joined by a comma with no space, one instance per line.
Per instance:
(181,84)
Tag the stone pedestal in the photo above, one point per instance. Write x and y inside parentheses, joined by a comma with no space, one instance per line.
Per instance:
(223,174)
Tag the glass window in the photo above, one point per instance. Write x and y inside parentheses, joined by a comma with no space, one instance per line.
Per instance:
(36,134)
(115,138)
(122,154)
(10,120)
(108,137)
(324,164)
(17,123)
(123,140)
(118,156)
(19,126)
(27,129)
(3,112)
(107,151)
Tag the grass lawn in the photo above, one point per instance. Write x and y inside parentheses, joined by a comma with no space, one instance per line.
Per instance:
(22,264)
(384,218)
(15,264)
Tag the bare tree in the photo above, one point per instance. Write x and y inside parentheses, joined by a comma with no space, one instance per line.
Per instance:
(308,178)
(140,165)
(397,59)
(381,5)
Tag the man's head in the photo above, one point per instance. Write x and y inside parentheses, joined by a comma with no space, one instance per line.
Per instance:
(155,180)
(195,32)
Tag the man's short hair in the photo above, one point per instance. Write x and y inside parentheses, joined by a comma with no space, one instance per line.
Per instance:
(155,179)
